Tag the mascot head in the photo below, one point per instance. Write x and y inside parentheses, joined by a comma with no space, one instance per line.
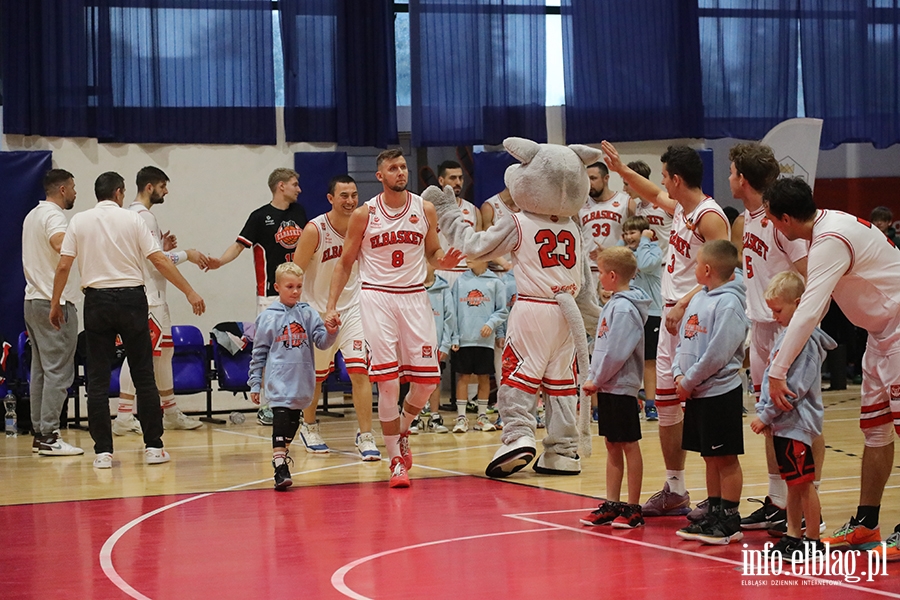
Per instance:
(551,179)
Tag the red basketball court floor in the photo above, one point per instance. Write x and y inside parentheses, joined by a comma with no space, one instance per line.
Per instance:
(453,537)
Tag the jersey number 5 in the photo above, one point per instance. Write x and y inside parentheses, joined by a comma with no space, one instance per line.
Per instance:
(748,267)
(548,241)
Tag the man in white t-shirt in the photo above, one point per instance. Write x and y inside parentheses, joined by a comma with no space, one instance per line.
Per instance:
(52,352)
(111,245)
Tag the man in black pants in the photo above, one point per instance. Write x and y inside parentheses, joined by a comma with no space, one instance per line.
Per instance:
(110,244)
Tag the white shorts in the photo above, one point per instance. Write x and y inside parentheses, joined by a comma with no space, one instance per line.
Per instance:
(667,403)
(399,329)
(539,351)
(352,344)
(762,340)
(160,324)
(264,302)
(880,402)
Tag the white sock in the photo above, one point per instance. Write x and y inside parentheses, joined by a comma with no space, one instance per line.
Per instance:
(406,420)
(392,444)
(778,490)
(460,408)
(126,409)
(482,407)
(816,484)
(675,479)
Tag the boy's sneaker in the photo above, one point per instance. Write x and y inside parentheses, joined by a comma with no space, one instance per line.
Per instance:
(604,515)
(629,518)
(692,530)
(103,460)
(365,445)
(595,415)
(699,512)
(405,451)
(53,445)
(854,536)
(651,413)
(399,476)
(499,422)
(892,552)
(126,426)
(540,420)
(664,503)
(178,420)
(156,456)
(461,425)
(472,406)
(264,415)
(483,423)
(436,424)
(283,474)
(779,528)
(722,531)
(415,426)
(786,547)
(766,516)
(309,434)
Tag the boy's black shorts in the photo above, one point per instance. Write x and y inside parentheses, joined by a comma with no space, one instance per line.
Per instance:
(713,426)
(474,360)
(651,337)
(618,418)
(795,460)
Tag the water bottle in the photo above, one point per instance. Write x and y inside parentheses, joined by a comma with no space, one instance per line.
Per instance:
(10,404)
(237,417)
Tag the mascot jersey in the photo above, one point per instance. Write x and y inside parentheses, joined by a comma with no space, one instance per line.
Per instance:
(546,256)
(329,247)
(389,236)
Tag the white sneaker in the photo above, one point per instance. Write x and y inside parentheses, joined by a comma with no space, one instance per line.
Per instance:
(126,426)
(156,456)
(461,425)
(309,434)
(436,424)
(365,444)
(483,423)
(54,445)
(178,420)
(415,426)
(103,461)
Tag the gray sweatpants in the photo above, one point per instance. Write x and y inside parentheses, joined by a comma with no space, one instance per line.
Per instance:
(52,362)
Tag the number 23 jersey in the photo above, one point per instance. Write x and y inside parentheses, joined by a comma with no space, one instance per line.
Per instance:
(392,255)
(546,255)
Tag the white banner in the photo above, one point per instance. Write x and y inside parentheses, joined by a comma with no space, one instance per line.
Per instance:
(795,143)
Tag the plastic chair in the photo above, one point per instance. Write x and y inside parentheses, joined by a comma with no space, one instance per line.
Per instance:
(190,362)
(231,372)
(23,380)
(338,380)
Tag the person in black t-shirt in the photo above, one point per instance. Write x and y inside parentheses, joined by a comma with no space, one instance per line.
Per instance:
(272,231)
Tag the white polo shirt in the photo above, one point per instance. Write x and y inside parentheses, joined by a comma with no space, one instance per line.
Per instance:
(39,259)
(110,244)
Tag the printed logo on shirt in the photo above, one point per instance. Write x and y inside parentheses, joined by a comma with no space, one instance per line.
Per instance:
(474,298)
(602,329)
(357,345)
(427,351)
(414,218)
(269,220)
(288,234)
(692,327)
(293,336)
(616,204)
(895,392)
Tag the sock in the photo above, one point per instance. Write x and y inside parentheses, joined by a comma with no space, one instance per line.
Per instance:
(460,408)
(482,406)
(868,516)
(406,420)
(392,445)
(816,485)
(168,404)
(777,490)
(729,507)
(278,456)
(126,409)
(714,503)
(675,479)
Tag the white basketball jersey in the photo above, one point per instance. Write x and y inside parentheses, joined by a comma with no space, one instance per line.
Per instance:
(392,254)
(154,282)
(660,222)
(601,222)
(678,276)
(766,253)
(500,209)
(546,256)
(317,280)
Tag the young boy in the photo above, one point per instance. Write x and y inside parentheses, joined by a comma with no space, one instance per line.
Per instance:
(615,376)
(479,300)
(445,324)
(640,238)
(793,432)
(282,347)
(707,360)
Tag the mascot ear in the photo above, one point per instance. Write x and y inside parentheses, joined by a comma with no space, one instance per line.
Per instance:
(522,149)
(587,154)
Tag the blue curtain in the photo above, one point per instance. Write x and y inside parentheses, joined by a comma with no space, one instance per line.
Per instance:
(478,71)
(143,71)
(632,70)
(748,55)
(851,69)
(316,170)
(339,71)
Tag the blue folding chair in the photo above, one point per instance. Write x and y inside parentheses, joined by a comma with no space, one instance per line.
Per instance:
(190,362)
(231,372)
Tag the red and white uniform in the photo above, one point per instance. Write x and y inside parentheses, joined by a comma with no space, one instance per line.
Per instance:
(660,222)
(155,285)
(546,263)
(469,213)
(852,262)
(678,279)
(396,312)
(316,282)
(766,253)
(500,211)
(601,222)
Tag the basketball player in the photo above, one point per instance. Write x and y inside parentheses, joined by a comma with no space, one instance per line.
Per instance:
(660,221)
(450,173)
(697,218)
(152,186)
(851,262)
(317,253)
(495,208)
(392,236)
(273,231)
(602,215)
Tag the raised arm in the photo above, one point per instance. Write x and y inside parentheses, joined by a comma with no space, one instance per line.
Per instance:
(645,188)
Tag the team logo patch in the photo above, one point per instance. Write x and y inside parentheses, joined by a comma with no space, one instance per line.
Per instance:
(371,210)
(895,392)
(293,335)
(465,211)
(616,204)
(475,298)
(288,234)
(357,345)
(509,362)
(414,218)
(602,329)
(692,327)
(155,333)
(554,218)
(765,222)
(427,351)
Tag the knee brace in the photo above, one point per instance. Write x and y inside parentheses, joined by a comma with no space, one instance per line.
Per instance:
(670,414)
(879,435)
(285,422)
(388,394)
(418,394)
